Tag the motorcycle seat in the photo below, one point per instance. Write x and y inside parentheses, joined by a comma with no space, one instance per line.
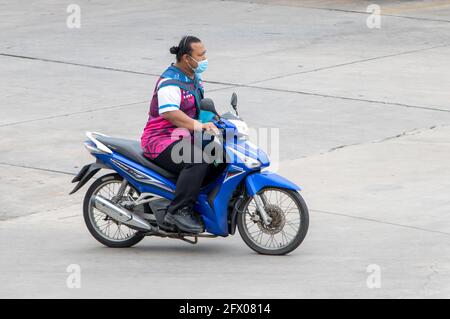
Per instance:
(132,150)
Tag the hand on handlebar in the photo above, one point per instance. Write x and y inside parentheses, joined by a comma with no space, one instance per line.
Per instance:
(210,128)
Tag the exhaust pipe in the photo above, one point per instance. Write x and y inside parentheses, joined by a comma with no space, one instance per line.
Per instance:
(121,214)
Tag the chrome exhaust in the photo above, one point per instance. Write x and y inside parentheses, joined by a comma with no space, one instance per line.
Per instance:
(121,214)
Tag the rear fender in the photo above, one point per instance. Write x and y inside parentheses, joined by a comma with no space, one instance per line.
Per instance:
(85,174)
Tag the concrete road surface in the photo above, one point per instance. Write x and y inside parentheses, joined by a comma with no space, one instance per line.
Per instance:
(361,102)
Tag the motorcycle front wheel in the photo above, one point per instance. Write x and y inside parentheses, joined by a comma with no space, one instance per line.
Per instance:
(289,225)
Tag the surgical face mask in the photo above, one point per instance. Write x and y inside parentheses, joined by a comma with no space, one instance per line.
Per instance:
(201,67)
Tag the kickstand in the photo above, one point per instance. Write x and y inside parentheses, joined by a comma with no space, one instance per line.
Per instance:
(193,242)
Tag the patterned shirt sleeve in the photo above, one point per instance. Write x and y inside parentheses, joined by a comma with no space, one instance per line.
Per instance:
(169,98)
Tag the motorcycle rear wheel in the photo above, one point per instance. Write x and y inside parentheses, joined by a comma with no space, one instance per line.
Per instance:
(104,229)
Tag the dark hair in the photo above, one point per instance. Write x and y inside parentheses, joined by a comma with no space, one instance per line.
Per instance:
(184,47)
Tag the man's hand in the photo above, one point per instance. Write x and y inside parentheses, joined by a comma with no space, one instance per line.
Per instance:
(210,128)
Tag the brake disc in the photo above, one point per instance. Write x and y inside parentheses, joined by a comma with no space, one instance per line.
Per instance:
(278,220)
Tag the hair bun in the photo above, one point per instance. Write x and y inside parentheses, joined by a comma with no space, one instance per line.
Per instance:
(174,50)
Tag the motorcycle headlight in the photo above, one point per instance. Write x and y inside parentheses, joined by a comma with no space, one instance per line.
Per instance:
(241,127)
(248,161)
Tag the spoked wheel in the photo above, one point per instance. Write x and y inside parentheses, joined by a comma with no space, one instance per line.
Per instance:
(106,230)
(289,225)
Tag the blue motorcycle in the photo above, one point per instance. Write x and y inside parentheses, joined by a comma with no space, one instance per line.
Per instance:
(123,207)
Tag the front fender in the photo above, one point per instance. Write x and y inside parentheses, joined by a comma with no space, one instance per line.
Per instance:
(257,181)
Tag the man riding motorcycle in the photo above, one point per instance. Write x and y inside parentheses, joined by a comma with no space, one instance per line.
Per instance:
(173,114)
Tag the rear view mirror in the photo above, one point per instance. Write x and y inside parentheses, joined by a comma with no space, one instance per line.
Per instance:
(234,102)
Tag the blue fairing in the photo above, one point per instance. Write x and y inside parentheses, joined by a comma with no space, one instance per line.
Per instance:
(256,181)
(149,182)
(215,216)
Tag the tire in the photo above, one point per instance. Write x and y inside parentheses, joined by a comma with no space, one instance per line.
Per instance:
(89,219)
(296,240)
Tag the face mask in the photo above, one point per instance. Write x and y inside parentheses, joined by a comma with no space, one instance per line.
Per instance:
(201,67)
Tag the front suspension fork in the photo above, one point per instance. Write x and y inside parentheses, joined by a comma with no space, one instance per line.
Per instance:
(261,202)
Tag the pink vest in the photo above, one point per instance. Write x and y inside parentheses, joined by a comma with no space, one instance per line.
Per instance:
(159,133)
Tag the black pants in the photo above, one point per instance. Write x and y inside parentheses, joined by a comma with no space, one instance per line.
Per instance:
(192,171)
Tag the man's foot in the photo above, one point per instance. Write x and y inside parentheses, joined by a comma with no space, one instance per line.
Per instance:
(184,220)
(168,227)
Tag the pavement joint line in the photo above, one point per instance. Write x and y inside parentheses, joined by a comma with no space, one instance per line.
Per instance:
(236,85)
(414,131)
(404,133)
(95,66)
(380,221)
(38,168)
(340,10)
(383,15)
(312,210)
(75,64)
(69,217)
(350,63)
(70,114)
(428,108)
(13,218)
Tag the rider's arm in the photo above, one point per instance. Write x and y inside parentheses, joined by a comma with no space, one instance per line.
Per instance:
(180,119)
(169,99)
